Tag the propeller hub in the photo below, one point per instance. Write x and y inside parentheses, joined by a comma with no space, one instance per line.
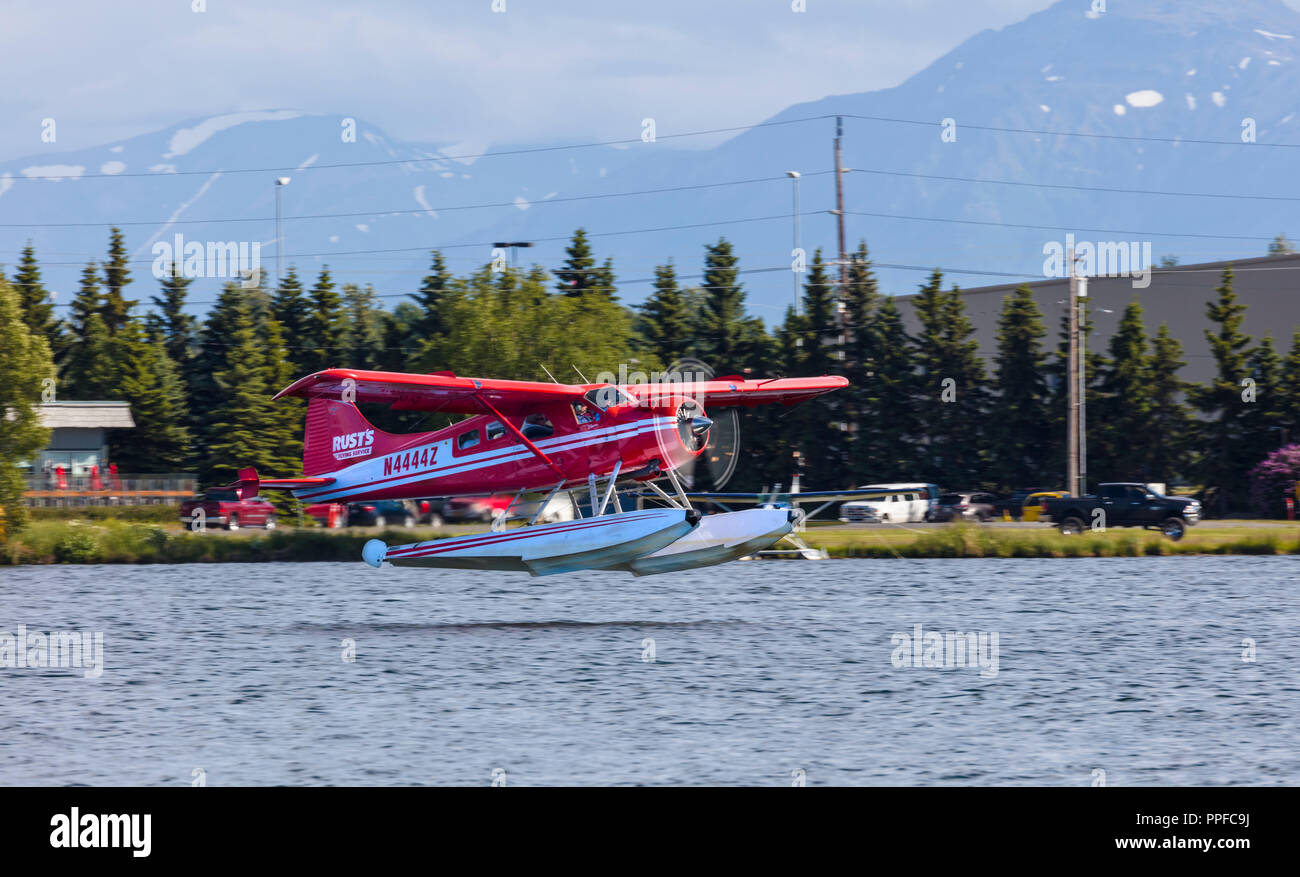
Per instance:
(700,425)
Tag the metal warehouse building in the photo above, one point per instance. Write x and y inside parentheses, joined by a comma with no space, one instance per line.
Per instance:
(1268,286)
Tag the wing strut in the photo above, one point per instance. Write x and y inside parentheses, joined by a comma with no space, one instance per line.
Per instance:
(537,452)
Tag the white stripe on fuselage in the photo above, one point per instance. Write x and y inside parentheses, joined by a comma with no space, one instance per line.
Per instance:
(359,479)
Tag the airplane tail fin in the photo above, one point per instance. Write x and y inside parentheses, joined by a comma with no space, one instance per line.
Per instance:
(337,435)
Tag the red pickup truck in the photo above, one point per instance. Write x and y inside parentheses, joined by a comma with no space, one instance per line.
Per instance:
(222,507)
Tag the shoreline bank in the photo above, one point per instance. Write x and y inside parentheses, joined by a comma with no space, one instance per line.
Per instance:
(127,542)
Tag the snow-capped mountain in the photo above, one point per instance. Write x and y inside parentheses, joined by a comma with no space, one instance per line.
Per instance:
(1183,70)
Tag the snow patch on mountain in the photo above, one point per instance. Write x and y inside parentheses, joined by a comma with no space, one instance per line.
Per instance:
(112,167)
(1273,36)
(176,214)
(424,202)
(54,172)
(1146,97)
(309,162)
(186,139)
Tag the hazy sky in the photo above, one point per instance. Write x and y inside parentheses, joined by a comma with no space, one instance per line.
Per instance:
(443,71)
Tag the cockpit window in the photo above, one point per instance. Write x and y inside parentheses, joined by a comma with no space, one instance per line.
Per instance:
(584,413)
(495,430)
(467,439)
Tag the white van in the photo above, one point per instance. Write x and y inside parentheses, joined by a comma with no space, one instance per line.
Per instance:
(897,504)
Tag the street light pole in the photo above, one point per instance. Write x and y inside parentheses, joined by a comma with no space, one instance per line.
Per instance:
(280,183)
(794,177)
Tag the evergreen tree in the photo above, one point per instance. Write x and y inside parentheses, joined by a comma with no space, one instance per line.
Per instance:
(820,330)
(951,403)
(1019,429)
(324,326)
(1290,390)
(291,309)
(283,428)
(1124,408)
(362,339)
(580,273)
(1225,453)
(150,381)
(433,299)
(25,363)
(724,309)
(239,436)
(1264,418)
(665,317)
(170,322)
(88,368)
(401,336)
(859,402)
(38,310)
(890,449)
(116,309)
(1169,417)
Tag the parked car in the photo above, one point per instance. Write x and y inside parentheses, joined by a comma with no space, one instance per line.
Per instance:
(1032,507)
(1122,504)
(968,506)
(429,511)
(904,503)
(223,507)
(381,513)
(487,509)
(328,514)
(1014,504)
(484,509)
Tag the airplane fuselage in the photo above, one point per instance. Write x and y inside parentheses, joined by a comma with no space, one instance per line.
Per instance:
(481,454)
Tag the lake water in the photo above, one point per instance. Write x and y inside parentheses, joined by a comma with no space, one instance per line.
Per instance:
(763,673)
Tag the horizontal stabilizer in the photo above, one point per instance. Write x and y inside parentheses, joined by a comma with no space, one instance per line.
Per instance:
(249,483)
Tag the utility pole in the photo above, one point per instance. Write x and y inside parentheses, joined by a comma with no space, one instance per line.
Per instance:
(839,200)
(1081,285)
(1073,383)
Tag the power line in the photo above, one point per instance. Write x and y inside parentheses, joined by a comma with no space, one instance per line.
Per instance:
(1063,227)
(1077,188)
(379,213)
(482,244)
(1086,134)
(389,162)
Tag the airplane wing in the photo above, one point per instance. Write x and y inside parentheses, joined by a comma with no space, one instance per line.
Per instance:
(444,391)
(723,392)
(440,391)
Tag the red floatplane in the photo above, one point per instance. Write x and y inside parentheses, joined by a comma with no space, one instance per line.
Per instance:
(535,438)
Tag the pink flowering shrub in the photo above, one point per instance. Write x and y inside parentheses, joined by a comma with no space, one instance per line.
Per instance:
(1273,479)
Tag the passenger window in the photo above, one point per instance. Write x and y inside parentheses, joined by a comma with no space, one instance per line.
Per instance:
(467,439)
(537,426)
(495,430)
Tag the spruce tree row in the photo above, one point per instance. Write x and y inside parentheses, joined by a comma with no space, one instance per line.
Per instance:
(923,405)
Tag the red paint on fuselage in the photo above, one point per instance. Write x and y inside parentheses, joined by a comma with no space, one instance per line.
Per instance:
(450,462)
